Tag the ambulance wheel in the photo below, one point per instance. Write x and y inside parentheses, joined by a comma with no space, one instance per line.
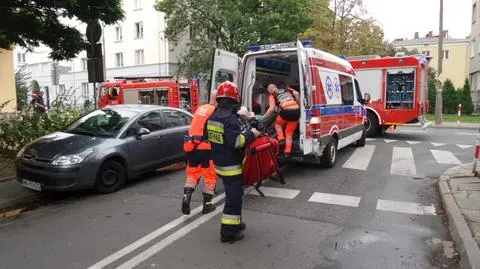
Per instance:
(371,124)
(361,142)
(329,157)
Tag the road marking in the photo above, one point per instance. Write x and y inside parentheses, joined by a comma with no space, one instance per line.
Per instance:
(335,199)
(467,133)
(390,140)
(403,162)
(438,144)
(371,139)
(360,159)
(411,131)
(143,256)
(444,157)
(413,142)
(405,207)
(277,192)
(464,146)
(151,236)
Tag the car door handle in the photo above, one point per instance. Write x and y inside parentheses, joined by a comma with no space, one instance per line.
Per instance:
(160,137)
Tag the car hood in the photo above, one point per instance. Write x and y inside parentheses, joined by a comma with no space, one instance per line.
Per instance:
(50,146)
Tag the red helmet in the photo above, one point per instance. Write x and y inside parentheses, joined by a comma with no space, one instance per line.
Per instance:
(228,89)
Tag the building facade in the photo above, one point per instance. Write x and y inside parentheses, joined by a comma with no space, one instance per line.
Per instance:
(135,46)
(474,71)
(8,93)
(455,54)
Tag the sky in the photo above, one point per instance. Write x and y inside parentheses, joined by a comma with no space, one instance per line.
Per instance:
(402,18)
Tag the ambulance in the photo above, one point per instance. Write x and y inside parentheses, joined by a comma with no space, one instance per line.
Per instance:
(332,116)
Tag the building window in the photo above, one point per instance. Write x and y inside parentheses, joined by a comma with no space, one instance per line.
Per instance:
(426,53)
(61,89)
(139,30)
(21,57)
(445,55)
(118,33)
(138,4)
(118,59)
(85,89)
(474,13)
(139,57)
(84,64)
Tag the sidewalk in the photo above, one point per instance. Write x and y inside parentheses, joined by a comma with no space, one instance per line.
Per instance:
(453,125)
(460,192)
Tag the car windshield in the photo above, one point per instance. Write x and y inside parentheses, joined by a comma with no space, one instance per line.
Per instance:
(102,123)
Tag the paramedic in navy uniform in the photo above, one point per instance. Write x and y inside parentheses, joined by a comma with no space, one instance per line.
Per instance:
(228,142)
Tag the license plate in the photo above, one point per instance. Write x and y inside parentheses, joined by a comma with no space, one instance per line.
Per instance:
(32,185)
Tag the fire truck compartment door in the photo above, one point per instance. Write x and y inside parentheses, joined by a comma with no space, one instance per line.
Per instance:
(225,67)
(305,80)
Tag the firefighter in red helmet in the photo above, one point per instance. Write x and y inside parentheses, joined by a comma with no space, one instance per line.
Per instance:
(199,161)
(228,142)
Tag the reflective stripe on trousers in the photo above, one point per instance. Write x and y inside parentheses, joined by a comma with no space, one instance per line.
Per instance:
(228,171)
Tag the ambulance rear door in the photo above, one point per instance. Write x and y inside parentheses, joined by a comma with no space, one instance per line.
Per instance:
(225,67)
(305,80)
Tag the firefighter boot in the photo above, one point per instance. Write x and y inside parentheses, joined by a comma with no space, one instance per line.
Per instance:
(208,206)
(187,197)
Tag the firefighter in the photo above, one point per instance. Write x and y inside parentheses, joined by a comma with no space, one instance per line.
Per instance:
(285,100)
(199,161)
(228,142)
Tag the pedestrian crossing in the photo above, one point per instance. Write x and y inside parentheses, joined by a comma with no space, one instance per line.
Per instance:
(403,207)
(410,142)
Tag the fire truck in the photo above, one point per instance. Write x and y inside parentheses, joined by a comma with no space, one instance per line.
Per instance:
(157,90)
(398,88)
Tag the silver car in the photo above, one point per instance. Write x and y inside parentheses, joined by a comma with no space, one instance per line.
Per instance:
(104,148)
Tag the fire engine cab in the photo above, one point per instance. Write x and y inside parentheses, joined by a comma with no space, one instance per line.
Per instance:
(164,91)
(398,88)
(332,112)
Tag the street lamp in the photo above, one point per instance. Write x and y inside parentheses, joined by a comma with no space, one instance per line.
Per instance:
(439,101)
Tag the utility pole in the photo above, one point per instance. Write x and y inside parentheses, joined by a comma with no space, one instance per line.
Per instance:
(439,99)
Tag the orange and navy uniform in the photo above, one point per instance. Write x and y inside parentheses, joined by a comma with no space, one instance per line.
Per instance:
(198,150)
(289,114)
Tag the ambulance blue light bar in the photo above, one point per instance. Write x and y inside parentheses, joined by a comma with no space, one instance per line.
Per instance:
(305,43)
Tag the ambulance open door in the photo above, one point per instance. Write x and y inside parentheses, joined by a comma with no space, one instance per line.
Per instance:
(305,96)
(225,67)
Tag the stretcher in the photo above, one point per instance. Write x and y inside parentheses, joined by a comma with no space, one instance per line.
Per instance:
(261,163)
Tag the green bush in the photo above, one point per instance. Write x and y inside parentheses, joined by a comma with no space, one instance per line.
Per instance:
(449,96)
(24,126)
(464,97)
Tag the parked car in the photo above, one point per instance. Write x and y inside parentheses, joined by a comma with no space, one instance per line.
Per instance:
(104,148)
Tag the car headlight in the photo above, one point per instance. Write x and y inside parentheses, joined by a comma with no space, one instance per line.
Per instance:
(72,159)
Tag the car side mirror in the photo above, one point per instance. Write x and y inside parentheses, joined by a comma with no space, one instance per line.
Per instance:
(366,97)
(142,131)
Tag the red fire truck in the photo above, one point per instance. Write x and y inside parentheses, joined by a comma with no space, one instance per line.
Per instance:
(164,91)
(398,90)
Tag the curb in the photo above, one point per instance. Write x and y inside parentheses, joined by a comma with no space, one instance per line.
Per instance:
(6,178)
(454,127)
(466,245)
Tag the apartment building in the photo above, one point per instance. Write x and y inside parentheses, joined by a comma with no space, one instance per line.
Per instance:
(474,70)
(8,94)
(455,54)
(135,46)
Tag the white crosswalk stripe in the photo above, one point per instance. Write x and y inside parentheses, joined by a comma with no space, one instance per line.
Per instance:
(390,140)
(277,192)
(413,142)
(360,159)
(405,207)
(438,144)
(464,146)
(335,199)
(444,157)
(370,139)
(403,162)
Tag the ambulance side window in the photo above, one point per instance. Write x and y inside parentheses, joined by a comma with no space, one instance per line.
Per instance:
(359,93)
(346,87)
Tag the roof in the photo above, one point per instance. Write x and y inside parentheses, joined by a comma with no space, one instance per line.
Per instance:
(429,41)
(140,108)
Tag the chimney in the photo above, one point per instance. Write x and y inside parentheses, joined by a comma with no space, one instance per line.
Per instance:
(445,34)
(429,35)
(416,35)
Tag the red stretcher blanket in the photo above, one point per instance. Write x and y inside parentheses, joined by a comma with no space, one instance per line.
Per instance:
(261,162)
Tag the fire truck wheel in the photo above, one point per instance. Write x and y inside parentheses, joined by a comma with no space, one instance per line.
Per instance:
(371,125)
(361,142)
(329,157)
(111,177)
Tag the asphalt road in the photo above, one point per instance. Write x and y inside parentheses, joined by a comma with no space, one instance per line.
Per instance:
(378,208)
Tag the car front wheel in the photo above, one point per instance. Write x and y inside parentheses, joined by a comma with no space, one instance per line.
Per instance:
(111,177)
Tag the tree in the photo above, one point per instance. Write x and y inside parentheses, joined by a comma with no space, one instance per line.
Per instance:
(449,98)
(21,85)
(30,23)
(464,97)
(230,25)
(345,30)
(432,90)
